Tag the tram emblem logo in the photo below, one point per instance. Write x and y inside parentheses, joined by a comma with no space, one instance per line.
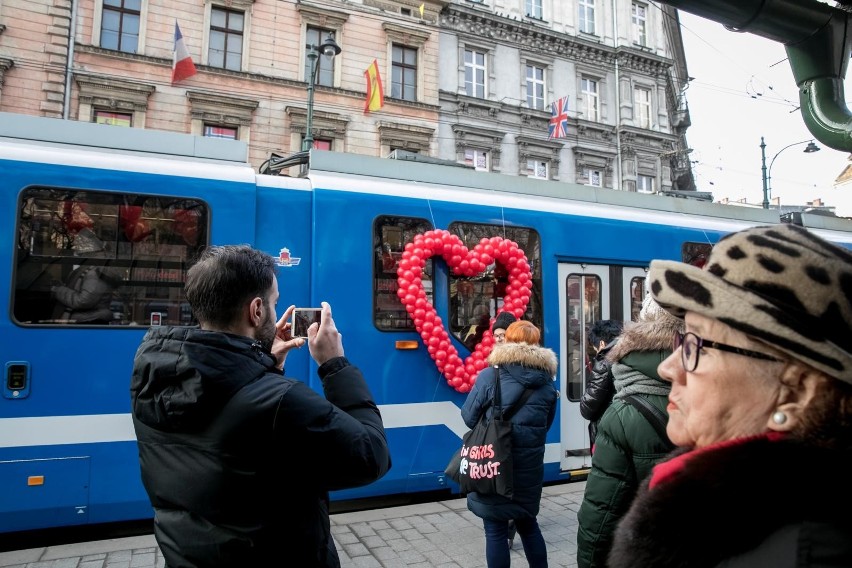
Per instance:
(284,258)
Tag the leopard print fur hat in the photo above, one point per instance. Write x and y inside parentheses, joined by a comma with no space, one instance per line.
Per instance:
(781,285)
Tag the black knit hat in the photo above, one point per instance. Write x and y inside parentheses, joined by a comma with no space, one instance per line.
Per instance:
(504,320)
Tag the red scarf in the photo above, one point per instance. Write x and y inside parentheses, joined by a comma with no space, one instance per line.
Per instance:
(665,471)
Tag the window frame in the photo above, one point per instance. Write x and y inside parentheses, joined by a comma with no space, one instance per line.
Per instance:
(643,109)
(473,66)
(639,23)
(589,175)
(110,121)
(533,173)
(641,181)
(323,61)
(537,102)
(591,100)
(474,162)
(206,126)
(122,12)
(243,34)
(146,263)
(385,264)
(586,17)
(534,9)
(401,67)
(471,233)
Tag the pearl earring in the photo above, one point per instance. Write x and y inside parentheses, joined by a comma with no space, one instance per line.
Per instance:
(779,418)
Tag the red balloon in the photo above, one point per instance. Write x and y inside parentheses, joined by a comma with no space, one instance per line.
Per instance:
(465,388)
(440,354)
(480,364)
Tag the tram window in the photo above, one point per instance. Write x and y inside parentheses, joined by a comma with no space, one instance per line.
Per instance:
(637,295)
(695,254)
(390,234)
(583,292)
(473,301)
(98,258)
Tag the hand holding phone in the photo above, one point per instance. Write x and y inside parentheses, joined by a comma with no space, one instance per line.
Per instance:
(325,341)
(302,320)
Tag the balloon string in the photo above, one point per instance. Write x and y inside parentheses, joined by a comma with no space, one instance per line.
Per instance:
(431,213)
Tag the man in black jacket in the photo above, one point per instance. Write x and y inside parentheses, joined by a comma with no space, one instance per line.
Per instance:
(599,388)
(237,459)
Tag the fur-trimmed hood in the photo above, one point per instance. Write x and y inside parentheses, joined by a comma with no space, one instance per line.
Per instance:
(646,336)
(531,356)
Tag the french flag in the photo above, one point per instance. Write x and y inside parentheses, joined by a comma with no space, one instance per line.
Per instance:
(182,66)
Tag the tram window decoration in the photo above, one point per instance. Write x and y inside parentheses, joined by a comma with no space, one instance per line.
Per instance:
(390,233)
(472,267)
(101,258)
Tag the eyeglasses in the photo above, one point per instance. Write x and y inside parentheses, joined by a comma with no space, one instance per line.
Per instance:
(692,345)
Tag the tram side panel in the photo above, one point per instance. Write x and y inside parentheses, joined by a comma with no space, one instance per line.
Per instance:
(67,449)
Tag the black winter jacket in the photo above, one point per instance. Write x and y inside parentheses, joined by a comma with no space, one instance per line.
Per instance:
(237,459)
(739,505)
(599,391)
(522,366)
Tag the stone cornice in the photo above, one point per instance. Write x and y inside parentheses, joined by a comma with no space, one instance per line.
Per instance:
(5,65)
(405,35)
(538,39)
(539,143)
(643,62)
(321,16)
(207,105)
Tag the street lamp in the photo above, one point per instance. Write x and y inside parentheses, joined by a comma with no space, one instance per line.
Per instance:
(767,178)
(328,48)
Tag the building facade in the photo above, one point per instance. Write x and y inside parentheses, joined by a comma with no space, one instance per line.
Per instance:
(466,80)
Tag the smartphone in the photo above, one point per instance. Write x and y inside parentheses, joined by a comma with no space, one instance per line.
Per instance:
(302,320)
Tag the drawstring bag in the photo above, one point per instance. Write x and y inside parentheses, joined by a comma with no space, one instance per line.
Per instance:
(484,463)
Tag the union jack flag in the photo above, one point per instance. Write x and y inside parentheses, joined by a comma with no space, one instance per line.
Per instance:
(558,127)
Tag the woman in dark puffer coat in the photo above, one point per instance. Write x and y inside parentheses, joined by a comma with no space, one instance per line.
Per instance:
(523,364)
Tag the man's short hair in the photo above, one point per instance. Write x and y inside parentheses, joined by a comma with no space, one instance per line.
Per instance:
(605,330)
(224,279)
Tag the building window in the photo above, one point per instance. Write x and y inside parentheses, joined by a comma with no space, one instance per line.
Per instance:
(593,177)
(479,159)
(639,24)
(538,169)
(644,184)
(216,131)
(325,72)
(642,102)
(404,73)
(226,39)
(474,73)
(105,259)
(587,16)
(120,25)
(112,118)
(591,102)
(320,143)
(534,9)
(535,87)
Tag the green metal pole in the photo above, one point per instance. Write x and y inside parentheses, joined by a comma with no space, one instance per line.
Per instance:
(308,142)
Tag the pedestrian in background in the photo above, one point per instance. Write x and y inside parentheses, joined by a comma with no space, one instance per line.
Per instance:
(761,387)
(628,443)
(498,328)
(237,459)
(600,389)
(522,364)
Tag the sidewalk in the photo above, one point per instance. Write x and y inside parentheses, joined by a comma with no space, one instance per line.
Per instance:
(443,534)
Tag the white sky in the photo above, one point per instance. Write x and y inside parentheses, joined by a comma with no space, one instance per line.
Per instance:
(744,89)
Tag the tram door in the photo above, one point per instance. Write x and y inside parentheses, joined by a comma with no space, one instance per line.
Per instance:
(584,298)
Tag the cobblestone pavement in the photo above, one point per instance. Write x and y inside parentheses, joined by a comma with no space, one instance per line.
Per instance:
(442,534)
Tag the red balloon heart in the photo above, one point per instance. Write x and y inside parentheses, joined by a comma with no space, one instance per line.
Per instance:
(460,374)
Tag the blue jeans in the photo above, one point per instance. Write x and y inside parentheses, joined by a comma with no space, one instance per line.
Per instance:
(497,543)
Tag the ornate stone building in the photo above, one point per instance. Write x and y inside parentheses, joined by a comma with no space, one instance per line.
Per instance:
(466,80)
(623,71)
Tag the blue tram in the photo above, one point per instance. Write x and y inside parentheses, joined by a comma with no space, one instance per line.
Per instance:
(133,207)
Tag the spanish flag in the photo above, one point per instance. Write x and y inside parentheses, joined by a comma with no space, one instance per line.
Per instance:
(375,93)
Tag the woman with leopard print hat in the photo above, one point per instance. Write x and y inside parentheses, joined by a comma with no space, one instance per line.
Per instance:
(761,393)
